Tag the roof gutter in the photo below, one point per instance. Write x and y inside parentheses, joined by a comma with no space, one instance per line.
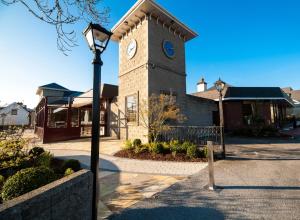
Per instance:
(255,98)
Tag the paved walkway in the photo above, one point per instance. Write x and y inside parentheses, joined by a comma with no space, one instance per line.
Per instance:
(111,163)
(258,181)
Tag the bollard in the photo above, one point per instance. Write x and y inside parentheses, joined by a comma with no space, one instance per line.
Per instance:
(211,184)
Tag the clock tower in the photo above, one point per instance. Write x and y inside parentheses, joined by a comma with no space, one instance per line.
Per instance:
(151,61)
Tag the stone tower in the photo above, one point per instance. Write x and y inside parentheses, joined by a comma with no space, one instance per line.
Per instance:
(151,60)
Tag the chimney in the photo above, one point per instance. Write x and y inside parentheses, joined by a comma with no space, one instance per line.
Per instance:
(201,85)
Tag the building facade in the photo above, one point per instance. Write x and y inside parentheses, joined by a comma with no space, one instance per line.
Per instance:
(247,106)
(16,114)
(152,61)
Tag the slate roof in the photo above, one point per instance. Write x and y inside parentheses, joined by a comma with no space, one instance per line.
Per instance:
(247,93)
(294,94)
(254,92)
(64,99)
(53,86)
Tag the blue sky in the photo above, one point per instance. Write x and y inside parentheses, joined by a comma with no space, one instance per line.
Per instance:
(247,43)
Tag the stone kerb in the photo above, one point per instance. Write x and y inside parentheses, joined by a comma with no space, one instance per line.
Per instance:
(66,198)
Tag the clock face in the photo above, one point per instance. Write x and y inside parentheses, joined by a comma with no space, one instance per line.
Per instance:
(131,49)
(168,48)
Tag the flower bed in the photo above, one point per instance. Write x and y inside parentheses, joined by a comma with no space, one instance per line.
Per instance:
(163,151)
(23,170)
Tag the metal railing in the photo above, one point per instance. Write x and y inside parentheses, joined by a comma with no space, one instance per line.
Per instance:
(195,134)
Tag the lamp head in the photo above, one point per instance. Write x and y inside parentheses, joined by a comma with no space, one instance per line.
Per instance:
(220,85)
(97,37)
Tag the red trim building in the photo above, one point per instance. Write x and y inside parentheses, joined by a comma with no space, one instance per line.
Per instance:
(246,106)
(63,114)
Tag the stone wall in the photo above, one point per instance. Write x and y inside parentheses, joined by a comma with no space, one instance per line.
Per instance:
(150,71)
(133,79)
(199,112)
(67,198)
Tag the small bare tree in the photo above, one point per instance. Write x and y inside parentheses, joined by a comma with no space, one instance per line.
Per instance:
(158,113)
(62,13)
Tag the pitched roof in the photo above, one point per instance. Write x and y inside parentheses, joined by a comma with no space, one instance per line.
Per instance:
(254,92)
(247,93)
(148,7)
(295,94)
(107,91)
(53,86)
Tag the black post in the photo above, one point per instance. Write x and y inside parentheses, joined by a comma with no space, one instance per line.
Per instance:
(222,124)
(97,62)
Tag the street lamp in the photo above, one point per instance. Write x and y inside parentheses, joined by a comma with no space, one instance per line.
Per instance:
(220,85)
(97,38)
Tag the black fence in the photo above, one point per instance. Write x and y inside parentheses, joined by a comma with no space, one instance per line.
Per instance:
(196,134)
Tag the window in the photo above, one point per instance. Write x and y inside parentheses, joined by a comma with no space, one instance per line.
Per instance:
(131,108)
(75,117)
(86,116)
(14,111)
(57,117)
(247,113)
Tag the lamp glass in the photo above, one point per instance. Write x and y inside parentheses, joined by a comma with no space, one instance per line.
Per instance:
(220,85)
(89,38)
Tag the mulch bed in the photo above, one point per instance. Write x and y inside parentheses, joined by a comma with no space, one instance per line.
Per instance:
(180,157)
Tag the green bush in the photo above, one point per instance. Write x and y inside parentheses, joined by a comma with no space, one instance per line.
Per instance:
(157,148)
(44,159)
(36,151)
(16,163)
(128,145)
(142,148)
(68,172)
(167,148)
(73,164)
(204,152)
(175,146)
(26,180)
(191,151)
(185,145)
(2,180)
(137,142)
(11,149)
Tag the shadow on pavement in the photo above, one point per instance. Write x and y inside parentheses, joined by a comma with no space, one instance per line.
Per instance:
(172,213)
(262,187)
(261,140)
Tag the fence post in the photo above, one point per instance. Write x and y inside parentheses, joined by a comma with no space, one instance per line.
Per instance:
(211,184)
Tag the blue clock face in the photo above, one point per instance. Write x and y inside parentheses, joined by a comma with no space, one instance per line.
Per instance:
(168,48)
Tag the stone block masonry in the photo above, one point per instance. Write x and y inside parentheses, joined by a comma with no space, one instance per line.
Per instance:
(66,198)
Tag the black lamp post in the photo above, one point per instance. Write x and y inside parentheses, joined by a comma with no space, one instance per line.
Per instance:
(97,38)
(220,85)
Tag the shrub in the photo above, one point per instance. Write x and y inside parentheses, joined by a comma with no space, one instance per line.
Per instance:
(26,180)
(73,164)
(68,172)
(142,148)
(11,149)
(167,148)
(44,159)
(157,148)
(185,146)
(191,151)
(128,145)
(176,147)
(204,152)
(2,180)
(36,151)
(137,142)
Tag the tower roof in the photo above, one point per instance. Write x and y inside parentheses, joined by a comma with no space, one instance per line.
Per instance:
(143,8)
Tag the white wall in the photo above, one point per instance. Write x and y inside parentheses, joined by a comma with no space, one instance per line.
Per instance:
(22,117)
